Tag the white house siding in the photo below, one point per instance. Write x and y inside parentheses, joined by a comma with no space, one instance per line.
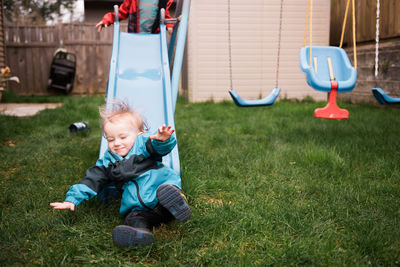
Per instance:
(254,42)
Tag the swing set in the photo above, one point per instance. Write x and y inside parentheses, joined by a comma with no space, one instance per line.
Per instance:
(273,95)
(328,68)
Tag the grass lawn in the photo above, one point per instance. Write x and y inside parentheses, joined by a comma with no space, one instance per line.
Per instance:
(267,186)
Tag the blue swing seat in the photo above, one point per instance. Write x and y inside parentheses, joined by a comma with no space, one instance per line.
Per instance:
(383,98)
(318,77)
(266,101)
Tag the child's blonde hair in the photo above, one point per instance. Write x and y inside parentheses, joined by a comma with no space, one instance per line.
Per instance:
(117,110)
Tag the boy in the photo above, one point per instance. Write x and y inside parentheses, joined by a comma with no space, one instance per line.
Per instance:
(151,192)
(143,15)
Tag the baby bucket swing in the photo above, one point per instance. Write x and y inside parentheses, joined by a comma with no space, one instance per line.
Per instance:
(379,94)
(268,100)
(332,71)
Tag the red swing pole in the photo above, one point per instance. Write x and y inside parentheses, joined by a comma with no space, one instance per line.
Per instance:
(331,110)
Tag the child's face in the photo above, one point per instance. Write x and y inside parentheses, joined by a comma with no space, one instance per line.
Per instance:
(121,135)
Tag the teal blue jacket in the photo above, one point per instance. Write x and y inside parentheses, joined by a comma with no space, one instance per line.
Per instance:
(137,175)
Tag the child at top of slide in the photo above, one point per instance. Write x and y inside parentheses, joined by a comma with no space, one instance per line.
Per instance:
(143,15)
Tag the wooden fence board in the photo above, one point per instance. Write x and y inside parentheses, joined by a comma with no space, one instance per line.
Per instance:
(365,21)
(30,50)
(29,68)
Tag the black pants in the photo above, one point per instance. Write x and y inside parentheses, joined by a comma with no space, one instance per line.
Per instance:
(149,218)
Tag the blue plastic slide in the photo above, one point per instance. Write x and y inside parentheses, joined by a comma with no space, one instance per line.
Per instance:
(383,98)
(140,75)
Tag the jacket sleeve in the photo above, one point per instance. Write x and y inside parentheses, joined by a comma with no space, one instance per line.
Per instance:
(123,13)
(167,14)
(94,180)
(160,148)
(79,193)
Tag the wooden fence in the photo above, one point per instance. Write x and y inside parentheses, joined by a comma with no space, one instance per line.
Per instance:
(30,49)
(365,20)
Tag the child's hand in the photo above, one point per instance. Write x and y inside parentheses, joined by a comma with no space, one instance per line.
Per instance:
(100,26)
(63,205)
(163,134)
(170,30)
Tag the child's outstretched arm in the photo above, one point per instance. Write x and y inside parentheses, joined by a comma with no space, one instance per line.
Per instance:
(109,18)
(168,16)
(162,142)
(63,205)
(94,180)
(100,25)
(164,133)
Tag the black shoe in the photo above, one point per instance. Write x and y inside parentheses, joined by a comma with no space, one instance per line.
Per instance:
(127,236)
(171,198)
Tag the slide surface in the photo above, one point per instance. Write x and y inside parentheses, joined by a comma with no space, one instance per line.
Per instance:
(140,75)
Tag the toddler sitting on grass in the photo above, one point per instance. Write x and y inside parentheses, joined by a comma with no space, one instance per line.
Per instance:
(151,192)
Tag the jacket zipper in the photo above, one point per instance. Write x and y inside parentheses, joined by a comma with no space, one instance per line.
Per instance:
(117,162)
(138,194)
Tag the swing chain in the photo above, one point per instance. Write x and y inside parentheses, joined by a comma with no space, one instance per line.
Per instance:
(377,38)
(230,45)
(279,46)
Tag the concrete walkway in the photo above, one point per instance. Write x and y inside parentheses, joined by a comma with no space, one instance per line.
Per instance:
(25,109)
